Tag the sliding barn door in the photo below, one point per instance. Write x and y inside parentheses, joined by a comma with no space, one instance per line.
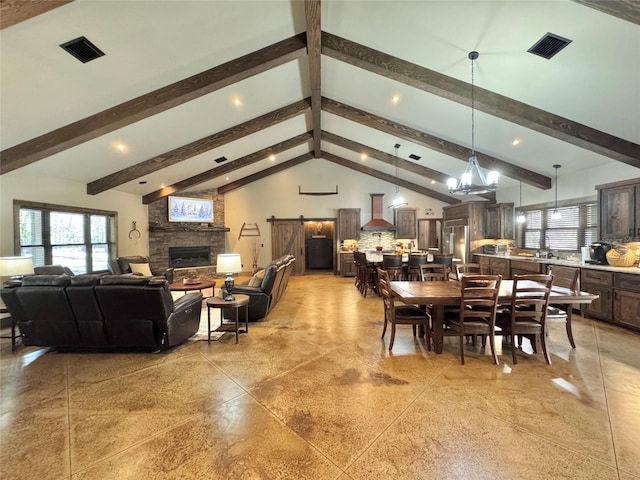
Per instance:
(287,238)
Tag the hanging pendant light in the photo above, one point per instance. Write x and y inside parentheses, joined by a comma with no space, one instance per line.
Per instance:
(473,181)
(398,200)
(521,218)
(555,215)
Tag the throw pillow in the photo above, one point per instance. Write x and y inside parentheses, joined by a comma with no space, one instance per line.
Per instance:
(257,278)
(141,269)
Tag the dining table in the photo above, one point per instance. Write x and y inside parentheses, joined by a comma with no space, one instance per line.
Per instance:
(448,293)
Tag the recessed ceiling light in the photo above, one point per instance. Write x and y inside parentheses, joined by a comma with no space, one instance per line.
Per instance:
(272,158)
(395,98)
(226,178)
(433,182)
(237,102)
(363,156)
(515,141)
(162,186)
(120,147)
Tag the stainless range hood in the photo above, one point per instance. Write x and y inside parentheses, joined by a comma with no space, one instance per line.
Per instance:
(377,223)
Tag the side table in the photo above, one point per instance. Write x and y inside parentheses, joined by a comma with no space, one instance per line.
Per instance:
(13,327)
(238,301)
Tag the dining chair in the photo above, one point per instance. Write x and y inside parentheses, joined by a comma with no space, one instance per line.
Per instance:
(461,269)
(476,314)
(563,311)
(526,314)
(392,264)
(433,272)
(401,314)
(413,265)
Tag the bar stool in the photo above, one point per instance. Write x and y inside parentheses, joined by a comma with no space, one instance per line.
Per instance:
(445,259)
(413,267)
(392,264)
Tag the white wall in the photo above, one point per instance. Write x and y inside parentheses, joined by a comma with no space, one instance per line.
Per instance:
(17,185)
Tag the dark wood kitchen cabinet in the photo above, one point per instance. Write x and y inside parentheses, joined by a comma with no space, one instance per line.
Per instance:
(619,210)
(494,266)
(626,296)
(347,265)
(349,224)
(599,283)
(471,213)
(405,220)
(498,220)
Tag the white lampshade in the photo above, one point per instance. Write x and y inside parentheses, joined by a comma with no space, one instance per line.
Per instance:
(14,266)
(229,263)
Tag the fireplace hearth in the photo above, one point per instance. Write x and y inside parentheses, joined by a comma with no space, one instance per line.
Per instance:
(181,257)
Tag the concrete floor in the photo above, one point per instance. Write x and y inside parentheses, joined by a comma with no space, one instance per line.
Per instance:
(313,393)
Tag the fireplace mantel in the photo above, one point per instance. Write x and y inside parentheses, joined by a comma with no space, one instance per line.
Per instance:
(187,228)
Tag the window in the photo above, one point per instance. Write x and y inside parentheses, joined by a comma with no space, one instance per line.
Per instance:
(576,227)
(80,239)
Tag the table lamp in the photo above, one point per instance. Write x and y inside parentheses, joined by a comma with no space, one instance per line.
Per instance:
(15,267)
(228,263)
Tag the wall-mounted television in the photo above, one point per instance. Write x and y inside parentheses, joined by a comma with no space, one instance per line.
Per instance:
(185,209)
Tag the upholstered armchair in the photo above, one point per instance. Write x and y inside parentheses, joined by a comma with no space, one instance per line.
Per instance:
(122,265)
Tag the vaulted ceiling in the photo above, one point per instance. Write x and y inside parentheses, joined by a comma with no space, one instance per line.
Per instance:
(315,80)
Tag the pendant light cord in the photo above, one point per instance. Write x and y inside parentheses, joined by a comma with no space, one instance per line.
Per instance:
(473,126)
(556,185)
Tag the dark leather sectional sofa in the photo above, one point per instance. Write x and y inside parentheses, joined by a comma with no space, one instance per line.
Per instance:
(101,312)
(264,297)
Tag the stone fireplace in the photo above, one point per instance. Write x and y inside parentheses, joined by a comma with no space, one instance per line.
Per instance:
(187,241)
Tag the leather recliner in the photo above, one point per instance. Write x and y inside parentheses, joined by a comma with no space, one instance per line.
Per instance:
(122,265)
(53,270)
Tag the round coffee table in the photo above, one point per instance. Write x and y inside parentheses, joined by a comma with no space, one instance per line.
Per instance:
(238,301)
(190,287)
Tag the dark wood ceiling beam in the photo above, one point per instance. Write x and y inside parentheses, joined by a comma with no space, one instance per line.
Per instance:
(265,173)
(434,143)
(13,12)
(152,103)
(485,100)
(392,160)
(372,172)
(314,45)
(628,10)
(192,149)
(227,168)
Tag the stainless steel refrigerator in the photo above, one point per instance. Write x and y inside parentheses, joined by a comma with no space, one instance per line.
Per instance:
(455,235)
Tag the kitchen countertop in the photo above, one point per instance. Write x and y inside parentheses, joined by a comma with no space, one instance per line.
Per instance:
(566,263)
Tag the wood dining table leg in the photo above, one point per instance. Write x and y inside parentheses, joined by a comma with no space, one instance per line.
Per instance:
(437,320)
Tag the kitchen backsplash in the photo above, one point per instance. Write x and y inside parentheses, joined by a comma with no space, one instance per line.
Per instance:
(388,241)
